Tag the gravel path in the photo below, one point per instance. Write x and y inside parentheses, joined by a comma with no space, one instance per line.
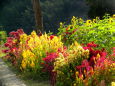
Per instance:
(7,77)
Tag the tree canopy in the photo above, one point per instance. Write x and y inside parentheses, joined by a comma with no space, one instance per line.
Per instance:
(16,14)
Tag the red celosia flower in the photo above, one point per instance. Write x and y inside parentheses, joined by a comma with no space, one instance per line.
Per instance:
(113,53)
(40,34)
(5,51)
(92,44)
(20,31)
(6,44)
(67,32)
(16,34)
(85,63)
(13,49)
(51,37)
(51,57)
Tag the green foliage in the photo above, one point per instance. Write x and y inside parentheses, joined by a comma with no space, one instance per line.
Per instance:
(101,32)
(3,36)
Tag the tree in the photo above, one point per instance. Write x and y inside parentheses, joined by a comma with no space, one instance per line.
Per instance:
(38,15)
(100,7)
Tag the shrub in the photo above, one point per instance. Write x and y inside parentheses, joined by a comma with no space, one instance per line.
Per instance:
(84,66)
(26,51)
(3,36)
(101,32)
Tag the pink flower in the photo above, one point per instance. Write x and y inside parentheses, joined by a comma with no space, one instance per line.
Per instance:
(85,63)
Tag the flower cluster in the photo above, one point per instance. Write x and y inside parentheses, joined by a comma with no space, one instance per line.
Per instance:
(27,51)
(12,44)
(99,30)
(72,65)
(83,66)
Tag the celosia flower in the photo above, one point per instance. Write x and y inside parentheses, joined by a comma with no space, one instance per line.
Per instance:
(92,44)
(13,49)
(20,31)
(112,83)
(51,37)
(32,64)
(23,65)
(6,51)
(50,58)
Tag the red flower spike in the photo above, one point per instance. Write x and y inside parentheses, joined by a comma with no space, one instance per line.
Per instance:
(92,44)
(51,37)
(20,31)
(5,51)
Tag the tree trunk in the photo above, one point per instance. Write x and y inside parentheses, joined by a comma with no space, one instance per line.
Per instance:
(38,15)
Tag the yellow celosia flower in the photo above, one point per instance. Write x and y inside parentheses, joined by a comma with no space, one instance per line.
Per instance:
(23,38)
(61,24)
(23,65)
(32,64)
(80,20)
(110,20)
(75,52)
(33,34)
(112,83)
(73,20)
(35,47)
(98,56)
(113,16)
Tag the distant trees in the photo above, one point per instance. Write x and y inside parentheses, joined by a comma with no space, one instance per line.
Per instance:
(100,7)
(20,14)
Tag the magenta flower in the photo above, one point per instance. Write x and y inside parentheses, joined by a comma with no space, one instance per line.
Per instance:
(50,58)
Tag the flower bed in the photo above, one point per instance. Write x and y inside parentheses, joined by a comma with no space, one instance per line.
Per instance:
(66,64)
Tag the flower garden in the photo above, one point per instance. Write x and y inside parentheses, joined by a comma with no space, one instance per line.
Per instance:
(81,54)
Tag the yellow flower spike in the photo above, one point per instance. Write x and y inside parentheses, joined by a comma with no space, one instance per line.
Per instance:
(110,20)
(23,65)
(33,34)
(80,20)
(24,54)
(112,83)
(113,16)
(76,73)
(98,56)
(23,38)
(61,24)
(32,64)
(73,20)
